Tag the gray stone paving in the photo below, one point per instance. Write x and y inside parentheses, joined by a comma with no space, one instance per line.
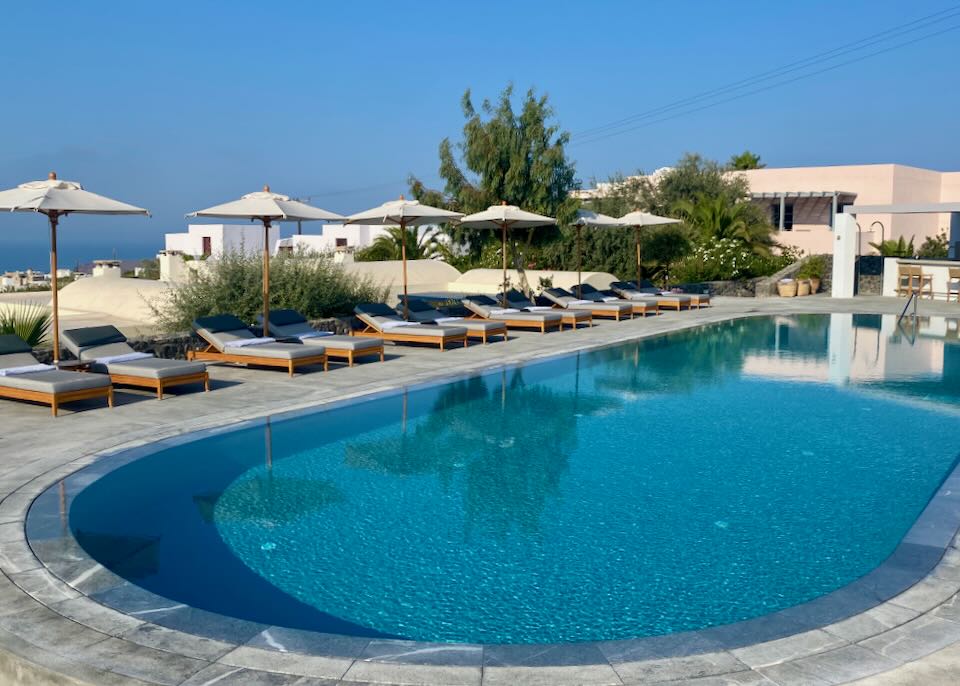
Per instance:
(50,632)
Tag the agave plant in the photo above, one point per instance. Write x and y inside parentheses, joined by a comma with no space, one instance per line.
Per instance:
(29,322)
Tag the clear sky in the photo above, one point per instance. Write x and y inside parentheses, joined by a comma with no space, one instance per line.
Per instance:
(176,106)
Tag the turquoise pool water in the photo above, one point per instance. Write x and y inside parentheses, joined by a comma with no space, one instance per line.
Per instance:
(670,484)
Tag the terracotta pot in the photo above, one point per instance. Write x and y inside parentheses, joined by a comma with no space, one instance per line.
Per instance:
(803,287)
(787,289)
(814,284)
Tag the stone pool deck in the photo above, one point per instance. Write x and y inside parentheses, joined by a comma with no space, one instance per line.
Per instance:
(52,633)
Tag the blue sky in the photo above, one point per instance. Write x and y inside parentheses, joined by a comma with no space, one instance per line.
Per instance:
(179,105)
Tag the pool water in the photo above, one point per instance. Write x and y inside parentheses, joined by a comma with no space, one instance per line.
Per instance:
(668,484)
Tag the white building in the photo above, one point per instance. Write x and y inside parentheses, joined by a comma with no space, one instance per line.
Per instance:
(212,240)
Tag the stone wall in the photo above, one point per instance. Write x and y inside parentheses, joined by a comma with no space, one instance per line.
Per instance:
(869,275)
(733,289)
(175,346)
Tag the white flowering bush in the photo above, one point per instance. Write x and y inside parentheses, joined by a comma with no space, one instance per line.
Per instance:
(728,259)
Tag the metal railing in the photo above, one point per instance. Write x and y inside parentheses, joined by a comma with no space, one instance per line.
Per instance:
(915,300)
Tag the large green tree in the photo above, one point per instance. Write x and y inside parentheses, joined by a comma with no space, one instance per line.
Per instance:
(505,155)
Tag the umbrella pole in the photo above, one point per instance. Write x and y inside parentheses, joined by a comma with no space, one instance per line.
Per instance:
(639,277)
(53,286)
(504,230)
(579,265)
(266,277)
(403,255)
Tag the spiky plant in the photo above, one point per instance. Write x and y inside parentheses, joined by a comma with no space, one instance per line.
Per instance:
(29,322)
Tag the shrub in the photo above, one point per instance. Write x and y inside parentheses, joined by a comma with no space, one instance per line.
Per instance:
(935,247)
(895,248)
(29,322)
(309,283)
(728,259)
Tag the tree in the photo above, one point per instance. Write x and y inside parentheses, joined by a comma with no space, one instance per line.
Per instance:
(715,218)
(519,158)
(935,247)
(895,248)
(745,160)
(421,245)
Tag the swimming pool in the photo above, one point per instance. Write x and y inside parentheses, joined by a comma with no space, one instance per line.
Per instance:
(666,485)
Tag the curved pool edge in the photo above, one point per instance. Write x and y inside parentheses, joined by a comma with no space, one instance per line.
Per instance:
(905,603)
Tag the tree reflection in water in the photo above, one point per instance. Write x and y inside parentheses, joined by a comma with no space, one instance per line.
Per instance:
(511,441)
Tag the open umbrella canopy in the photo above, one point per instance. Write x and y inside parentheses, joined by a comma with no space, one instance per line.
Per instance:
(267,205)
(403,213)
(61,197)
(638,220)
(504,217)
(597,220)
(510,216)
(57,198)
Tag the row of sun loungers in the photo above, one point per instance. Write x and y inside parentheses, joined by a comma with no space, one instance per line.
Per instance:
(294,343)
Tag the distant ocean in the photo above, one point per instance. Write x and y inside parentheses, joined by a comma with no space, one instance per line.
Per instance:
(36,254)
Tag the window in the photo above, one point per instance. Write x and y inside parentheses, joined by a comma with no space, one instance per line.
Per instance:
(207,247)
(341,242)
(787,216)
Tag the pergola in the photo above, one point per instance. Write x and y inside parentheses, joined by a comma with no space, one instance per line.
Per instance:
(836,198)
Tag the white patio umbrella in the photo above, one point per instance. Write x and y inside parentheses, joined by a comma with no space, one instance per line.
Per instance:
(638,220)
(403,213)
(267,207)
(594,220)
(505,217)
(56,199)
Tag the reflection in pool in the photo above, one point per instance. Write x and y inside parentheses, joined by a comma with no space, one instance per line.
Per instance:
(673,483)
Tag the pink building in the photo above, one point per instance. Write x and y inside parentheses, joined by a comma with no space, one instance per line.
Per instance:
(802,202)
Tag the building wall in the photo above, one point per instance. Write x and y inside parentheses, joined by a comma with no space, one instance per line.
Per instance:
(242,238)
(874,184)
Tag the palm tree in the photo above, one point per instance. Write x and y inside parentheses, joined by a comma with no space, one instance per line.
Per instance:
(715,218)
(420,246)
(745,160)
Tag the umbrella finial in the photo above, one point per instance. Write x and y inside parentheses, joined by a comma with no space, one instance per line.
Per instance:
(503,202)
(266,188)
(401,196)
(52,176)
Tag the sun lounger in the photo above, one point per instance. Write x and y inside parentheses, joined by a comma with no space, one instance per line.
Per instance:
(571,318)
(674,301)
(382,322)
(23,378)
(106,351)
(229,340)
(697,300)
(422,312)
(641,307)
(485,307)
(290,325)
(566,300)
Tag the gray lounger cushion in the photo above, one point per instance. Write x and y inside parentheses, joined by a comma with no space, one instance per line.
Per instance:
(485,306)
(216,330)
(630,292)
(430,314)
(95,342)
(55,381)
(290,324)
(565,299)
(378,315)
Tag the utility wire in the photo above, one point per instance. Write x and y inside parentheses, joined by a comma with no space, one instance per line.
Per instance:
(616,128)
(600,136)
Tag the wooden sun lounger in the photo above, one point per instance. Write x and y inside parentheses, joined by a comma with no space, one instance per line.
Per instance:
(442,341)
(212,354)
(54,400)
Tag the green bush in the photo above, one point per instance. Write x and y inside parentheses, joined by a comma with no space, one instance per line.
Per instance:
(935,247)
(813,267)
(312,284)
(29,322)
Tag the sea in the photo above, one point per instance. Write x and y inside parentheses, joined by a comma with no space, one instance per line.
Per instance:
(16,254)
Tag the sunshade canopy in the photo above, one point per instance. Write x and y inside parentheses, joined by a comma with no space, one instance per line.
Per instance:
(405,212)
(597,220)
(499,216)
(639,218)
(273,207)
(61,197)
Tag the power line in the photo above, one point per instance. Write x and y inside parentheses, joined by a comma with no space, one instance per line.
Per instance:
(360,189)
(616,128)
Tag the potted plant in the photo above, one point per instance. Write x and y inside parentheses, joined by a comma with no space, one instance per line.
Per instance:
(787,288)
(812,270)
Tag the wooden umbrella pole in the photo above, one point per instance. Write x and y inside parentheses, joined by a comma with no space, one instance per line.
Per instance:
(403,255)
(579,265)
(54,219)
(639,277)
(503,227)
(266,277)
